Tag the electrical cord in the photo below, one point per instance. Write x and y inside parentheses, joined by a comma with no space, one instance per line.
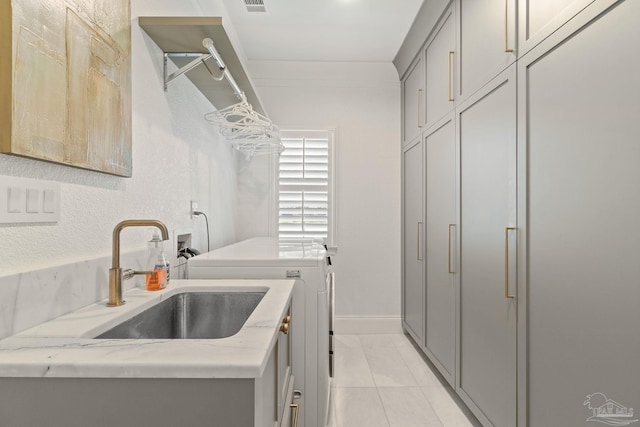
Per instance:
(207,221)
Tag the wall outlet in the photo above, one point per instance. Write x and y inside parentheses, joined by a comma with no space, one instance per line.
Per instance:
(194,207)
(291,274)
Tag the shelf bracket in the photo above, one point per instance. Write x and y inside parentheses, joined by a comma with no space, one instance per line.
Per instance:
(200,58)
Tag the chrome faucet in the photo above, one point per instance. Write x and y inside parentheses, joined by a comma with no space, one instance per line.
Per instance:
(116,274)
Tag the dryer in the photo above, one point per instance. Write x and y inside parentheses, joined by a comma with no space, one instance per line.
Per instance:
(312,335)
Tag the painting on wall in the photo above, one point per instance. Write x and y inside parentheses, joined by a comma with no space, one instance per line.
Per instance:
(66,88)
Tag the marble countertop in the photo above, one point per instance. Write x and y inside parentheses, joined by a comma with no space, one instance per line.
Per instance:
(262,252)
(64,347)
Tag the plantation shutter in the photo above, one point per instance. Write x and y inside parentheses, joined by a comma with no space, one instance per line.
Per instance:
(304,185)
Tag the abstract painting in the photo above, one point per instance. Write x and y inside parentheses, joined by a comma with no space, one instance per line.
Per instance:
(65,82)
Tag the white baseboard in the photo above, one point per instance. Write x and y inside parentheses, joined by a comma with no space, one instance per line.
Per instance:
(367,325)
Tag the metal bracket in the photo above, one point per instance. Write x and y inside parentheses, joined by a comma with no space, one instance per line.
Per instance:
(199,58)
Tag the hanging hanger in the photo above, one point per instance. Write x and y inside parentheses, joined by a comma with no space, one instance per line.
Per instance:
(247,130)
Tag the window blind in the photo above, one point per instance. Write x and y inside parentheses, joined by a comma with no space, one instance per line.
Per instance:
(304,186)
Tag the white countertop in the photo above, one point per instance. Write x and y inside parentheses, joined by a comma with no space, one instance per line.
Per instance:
(262,251)
(64,347)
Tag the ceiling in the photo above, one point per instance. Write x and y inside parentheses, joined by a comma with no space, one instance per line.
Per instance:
(323,30)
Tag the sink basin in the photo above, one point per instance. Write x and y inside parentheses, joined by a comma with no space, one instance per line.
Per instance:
(190,315)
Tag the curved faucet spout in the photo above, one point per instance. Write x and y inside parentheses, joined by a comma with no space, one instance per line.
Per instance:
(115,261)
(116,275)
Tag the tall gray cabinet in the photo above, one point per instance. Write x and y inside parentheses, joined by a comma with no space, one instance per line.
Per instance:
(529,198)
(413,238)
(488,305)
(580,202)
(440,257)
(435,292)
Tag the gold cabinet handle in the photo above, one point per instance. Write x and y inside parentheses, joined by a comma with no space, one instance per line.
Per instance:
(419,97)
(284,327)
(451,271)
(506,26)
(420,257)
(451,53)
(295,406)
(506,263)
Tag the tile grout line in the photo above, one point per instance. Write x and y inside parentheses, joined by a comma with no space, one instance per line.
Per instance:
(426,398)
(420,388)
(366,358)
(406,364)
(375,384)
(386,415)
(384,408)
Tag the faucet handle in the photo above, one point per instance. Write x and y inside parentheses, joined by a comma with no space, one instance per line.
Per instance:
(129,273)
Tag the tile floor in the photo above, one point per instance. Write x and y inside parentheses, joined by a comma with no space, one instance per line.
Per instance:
(382,381)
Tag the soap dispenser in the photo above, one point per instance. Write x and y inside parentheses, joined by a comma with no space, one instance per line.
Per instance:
(158,264)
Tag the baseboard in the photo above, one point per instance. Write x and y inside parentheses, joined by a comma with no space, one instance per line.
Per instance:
(367,325)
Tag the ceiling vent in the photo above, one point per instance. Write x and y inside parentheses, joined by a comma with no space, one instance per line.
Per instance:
(255,5)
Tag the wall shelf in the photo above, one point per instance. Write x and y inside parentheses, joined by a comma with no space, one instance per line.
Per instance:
(184,35)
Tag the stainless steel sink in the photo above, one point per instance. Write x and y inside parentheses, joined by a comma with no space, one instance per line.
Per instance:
(191,315)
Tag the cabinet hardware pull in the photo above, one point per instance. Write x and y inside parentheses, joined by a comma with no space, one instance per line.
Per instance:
(420,258)
(419,97)
(506,26)
(295,406)
(450,67)
(284,328)
(506,263)
(451,271)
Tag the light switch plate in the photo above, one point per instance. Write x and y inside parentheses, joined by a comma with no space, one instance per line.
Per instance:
(49,201)
(15,199)
(33,200)
(25,200)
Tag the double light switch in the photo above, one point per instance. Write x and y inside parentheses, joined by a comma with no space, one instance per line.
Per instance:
(28,200)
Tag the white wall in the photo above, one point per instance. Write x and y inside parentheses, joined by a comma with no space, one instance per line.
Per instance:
(177,157)
(362,102)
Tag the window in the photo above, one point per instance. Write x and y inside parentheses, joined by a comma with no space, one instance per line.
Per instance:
(305,196)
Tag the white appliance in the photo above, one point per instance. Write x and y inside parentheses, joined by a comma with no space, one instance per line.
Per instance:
(311,328)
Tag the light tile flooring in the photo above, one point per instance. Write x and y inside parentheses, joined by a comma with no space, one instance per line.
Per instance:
(382,381)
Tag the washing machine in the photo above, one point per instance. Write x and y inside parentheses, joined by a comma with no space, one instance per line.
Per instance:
(312,306)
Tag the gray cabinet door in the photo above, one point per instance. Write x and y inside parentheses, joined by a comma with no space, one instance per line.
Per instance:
(413,236)
(440,70)
(540,18)
(581,129)
(413,101)
(487,41)
(487,137)
(440,306)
